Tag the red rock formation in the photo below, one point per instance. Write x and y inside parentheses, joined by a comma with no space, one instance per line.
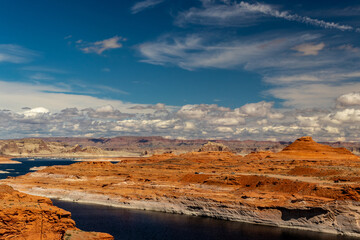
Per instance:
(307,185)
(307,148)
(23,216)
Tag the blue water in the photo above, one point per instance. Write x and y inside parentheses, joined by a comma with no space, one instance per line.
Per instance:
(27,163)
(137,224)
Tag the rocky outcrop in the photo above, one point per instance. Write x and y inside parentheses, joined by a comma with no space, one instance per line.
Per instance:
(23,216)
(278,189)
(307,148)
(214,147)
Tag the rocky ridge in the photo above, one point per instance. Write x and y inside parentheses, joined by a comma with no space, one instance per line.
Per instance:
(157,145)
(24,216)
(294,188)
(40,148)
(135,146)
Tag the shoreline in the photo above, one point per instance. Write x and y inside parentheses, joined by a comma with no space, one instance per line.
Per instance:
(175,207)
(8,160)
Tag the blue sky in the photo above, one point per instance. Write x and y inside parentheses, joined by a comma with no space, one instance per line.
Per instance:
(181,69)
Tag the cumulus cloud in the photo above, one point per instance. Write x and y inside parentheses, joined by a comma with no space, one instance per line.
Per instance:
(309,49)
(142,5)
(344,116)
(100,46)
(36,112)
(259,109)
(257,121)
(349,99)
(105,109)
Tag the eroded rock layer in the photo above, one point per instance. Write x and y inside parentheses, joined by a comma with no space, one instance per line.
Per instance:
(24,216)
(286,190)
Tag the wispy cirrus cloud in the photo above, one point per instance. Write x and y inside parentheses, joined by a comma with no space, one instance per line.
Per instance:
(141,6)
(247,14)
(99,47)
(196,51)
(41,76)
(290,76)
(13,53)
(43,69)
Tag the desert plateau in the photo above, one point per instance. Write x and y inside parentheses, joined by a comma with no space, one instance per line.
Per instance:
(306,185)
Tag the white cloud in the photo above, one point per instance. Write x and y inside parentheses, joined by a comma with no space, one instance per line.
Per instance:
(299,81)
(43,69)
(142,5)
(15,54)
(289,79)
(349,47)
(16,95)
(207,51)
(349,99)
(100,46)
(271,11)
(345,116)
(260,109)
(308,121)
(41,76)
(224,129)
(251,121)
(192,112)
(308,49)
(311,94)
(158,106)
(231,13)
(105,109)
(227,121)
(189,126)
(36,111)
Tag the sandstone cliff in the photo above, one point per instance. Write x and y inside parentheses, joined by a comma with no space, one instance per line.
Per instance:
(24,216)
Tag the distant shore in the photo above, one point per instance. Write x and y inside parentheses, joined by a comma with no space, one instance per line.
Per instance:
(5,160)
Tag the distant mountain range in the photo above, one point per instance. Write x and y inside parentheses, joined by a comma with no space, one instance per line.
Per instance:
(136,146)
